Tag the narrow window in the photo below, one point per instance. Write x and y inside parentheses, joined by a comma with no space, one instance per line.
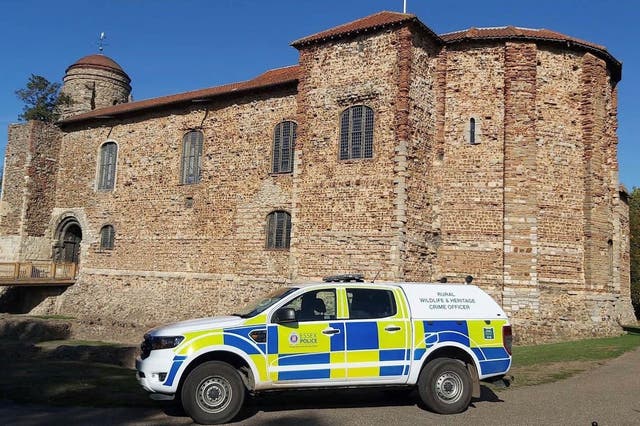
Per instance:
(278,230)
(107,168)
(107,235)
(191,157)
(472,131)
(610,256)
(284,139)
(356,133)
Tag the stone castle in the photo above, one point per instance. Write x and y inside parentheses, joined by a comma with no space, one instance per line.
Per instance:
(388,150)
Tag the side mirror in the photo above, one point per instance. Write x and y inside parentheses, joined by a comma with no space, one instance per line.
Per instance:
(284,315)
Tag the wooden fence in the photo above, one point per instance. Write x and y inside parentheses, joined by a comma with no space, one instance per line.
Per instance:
(34,272)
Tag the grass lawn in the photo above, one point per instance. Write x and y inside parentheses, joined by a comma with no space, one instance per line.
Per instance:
(550,362)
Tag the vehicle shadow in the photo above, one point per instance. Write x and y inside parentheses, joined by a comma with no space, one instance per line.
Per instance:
(319,399)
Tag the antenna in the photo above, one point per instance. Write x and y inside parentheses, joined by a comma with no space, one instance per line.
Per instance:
(101,43)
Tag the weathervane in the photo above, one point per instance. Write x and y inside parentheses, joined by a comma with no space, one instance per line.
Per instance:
(101,43)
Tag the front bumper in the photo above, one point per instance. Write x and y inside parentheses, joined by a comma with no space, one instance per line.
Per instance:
(156,373)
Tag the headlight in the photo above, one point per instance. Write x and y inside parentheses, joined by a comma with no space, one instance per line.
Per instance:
(165,342)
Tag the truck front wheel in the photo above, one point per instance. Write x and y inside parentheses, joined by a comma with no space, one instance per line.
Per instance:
(213,393)
(445,386)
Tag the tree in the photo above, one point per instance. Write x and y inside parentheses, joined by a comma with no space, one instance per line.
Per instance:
(42,100)
(634,228)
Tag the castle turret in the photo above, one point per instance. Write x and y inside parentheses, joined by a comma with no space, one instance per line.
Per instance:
(93,82)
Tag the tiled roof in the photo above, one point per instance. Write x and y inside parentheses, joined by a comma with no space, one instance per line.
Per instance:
(366,24)
(276,77)
(98,61)
(513,32)
(517,33)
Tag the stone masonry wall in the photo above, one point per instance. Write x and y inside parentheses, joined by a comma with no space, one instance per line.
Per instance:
(471,175)
(345,211)
(91,88)
(30,161)
(531,209)
(422,226)
(204,234)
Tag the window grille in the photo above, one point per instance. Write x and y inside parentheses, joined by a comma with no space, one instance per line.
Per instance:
(356,133)
(191,157)
(278,230)
(107,168)
(284,139)
(107,236)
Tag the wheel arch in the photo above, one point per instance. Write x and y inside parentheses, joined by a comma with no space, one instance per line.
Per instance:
(457,351)
(245,367)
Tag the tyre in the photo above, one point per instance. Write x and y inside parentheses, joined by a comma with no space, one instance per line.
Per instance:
(445,386)
(213,393)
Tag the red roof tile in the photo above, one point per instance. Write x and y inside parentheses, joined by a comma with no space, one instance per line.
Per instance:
(366,24)
(275,77)
(98,61)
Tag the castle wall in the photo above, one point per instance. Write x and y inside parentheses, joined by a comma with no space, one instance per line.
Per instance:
(471,175)
(346,211)
(28,192)
(169,234)
(93,88)
(528,203)
(423,186)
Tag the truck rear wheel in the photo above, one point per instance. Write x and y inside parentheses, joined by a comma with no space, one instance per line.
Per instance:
(445,386)
(213,393)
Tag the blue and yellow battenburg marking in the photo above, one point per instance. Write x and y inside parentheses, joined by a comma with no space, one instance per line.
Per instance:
(340,349)
(484,338)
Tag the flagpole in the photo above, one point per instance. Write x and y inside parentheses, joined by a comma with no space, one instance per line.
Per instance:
(404,7)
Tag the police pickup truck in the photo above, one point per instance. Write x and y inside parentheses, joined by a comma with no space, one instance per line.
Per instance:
(442,338)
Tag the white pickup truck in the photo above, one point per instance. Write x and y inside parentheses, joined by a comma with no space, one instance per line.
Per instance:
(442,338)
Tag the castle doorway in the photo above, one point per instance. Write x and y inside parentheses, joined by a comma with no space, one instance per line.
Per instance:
(67,248)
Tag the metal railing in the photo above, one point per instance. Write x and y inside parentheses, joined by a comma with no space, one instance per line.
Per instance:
(36,271)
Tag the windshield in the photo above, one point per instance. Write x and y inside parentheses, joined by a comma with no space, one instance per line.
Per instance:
(264,302)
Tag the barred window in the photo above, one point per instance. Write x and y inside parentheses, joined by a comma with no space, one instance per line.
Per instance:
(191,157)
(107,236)
(356,133)
(284,139)
(107,167)
(278,230)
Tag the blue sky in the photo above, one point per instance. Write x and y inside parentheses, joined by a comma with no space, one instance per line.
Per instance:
(169,47)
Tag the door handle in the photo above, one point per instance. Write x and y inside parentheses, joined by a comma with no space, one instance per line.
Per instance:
(330,331)
(392,328)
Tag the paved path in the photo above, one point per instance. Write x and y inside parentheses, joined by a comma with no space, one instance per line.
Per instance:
(608,395)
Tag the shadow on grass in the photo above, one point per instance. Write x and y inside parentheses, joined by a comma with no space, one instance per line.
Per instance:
(75,383)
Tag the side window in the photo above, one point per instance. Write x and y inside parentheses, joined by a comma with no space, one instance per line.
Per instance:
(314,305)
(366,303)
(278,230)
(191,157)
(107,236)
(356,133)
(284,139)
(107,166)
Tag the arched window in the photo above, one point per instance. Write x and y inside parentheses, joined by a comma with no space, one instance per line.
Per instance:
(472,131)
(278,230)
(356,133)
(284,139)
(107,167)
(191,157)
(107,236)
